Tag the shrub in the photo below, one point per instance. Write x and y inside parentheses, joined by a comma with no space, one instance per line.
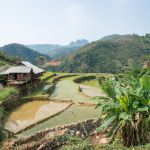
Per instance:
(2,79)
(7,92)
(48,89)
(127,108)
(75,143)
(84,78)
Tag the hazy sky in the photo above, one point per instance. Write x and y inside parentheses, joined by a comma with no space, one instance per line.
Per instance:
(61,21)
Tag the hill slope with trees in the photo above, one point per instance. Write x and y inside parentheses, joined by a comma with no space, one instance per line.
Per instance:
(111,54)
(22,52)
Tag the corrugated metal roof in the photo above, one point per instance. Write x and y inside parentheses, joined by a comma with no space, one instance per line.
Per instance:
(17,69)
(36,69)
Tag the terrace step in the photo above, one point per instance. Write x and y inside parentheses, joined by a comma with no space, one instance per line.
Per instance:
(38,142)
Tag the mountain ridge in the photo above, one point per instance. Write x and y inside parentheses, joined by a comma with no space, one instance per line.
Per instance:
(108,56)
(56,51)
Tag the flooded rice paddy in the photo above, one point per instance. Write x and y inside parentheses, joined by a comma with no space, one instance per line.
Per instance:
(73,114)
(68,90)
(31,113)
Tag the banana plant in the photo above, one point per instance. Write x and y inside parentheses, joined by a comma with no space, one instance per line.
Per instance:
(126,108)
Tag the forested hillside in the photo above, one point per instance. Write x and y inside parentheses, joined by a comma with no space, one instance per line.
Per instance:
(22,52)
(61,52)
(111,54)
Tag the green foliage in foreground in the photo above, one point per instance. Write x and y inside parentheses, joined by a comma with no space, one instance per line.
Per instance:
(117,146)
(75,143)
(7,92)
(126,107)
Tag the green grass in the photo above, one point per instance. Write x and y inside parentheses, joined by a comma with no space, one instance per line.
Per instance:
(75,143)
(93,83)
(46,74)
(4,62)
(49,80)
(7,92)
(119,146)
(73,114)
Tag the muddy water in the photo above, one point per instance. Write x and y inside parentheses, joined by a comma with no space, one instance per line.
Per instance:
(68,90)
(73,114)
(91,91)
(31,113)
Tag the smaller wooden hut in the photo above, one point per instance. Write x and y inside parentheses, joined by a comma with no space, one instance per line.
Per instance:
(23,73)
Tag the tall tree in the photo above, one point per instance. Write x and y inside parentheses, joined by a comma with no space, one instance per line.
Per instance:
(41,60)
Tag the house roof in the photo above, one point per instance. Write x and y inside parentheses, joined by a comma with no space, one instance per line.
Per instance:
(17,69)
(36,69)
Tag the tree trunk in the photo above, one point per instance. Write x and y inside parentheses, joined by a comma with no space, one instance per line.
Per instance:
(134,134)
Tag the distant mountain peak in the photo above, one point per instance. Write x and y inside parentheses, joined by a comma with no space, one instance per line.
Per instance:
(78,43)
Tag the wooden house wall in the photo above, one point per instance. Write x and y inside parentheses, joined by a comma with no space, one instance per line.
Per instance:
(20,76)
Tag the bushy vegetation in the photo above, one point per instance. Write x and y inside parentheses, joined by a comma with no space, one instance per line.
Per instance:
(84,78)
(111,55)
(1,126)
(7,92)
(127,107)
(46,75)
(4,95)
(48,89)
(6,60)
(75,143)
(3,79)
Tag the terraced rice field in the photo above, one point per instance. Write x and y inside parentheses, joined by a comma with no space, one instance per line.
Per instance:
(73,114)
(31,113)
(68,90)
(93,83)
